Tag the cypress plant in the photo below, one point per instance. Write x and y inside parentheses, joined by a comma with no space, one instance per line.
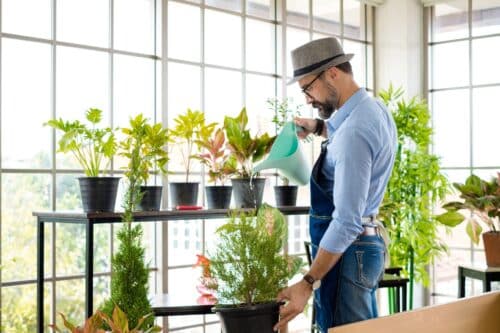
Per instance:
(129,277)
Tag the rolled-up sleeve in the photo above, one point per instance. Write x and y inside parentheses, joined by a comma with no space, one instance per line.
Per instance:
(353,156)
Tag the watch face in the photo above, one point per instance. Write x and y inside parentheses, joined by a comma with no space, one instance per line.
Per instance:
(316,284)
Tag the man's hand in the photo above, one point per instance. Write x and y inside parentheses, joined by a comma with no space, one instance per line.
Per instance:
(297,297)
(308,124)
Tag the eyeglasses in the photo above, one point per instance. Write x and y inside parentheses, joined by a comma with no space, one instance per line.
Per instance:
(308,86)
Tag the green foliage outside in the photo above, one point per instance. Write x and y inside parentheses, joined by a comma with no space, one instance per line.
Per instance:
(416,185)
(482,199)
(245,149)
(22,194)
(189,129)
(247,265)
(91,146)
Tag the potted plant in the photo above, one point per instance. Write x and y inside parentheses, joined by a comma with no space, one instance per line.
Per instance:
(93,148)
(220,165)
(189,129)
(247,150)
(118,323)
(416,185)
(285,194)
(482,199)
(248,269)
(144,145)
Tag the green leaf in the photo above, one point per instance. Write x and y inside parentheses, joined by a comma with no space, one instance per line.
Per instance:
(94,115)
(451,218)
(474,230)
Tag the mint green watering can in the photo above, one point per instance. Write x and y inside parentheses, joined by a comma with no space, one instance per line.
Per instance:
(287,156)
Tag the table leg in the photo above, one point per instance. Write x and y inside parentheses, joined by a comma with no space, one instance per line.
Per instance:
(398,299)
(40,274)
(486,284)
(404,291)
(89,268)
(461,282)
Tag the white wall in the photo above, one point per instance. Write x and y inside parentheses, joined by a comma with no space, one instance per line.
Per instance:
(399,58)
(399,45)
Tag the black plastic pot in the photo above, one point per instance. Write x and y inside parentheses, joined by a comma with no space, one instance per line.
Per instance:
(183,194)
(98,193)
(285,195)
(259,318)
(218,197)
(151,198)
(246,196)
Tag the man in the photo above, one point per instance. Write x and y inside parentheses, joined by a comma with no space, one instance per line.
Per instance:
(347,185)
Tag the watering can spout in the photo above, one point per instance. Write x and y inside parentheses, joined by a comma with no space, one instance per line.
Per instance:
(287,156)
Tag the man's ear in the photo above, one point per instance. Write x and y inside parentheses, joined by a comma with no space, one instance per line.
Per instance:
(332,73)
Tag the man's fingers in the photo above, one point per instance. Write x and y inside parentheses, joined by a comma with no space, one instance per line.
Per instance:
(287,313)
(283,295)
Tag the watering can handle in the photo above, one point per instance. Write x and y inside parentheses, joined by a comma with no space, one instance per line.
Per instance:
(300,128)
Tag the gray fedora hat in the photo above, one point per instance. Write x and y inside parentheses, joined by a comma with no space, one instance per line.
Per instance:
(316,56)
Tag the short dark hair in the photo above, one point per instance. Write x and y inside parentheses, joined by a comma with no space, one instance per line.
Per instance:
(345,67)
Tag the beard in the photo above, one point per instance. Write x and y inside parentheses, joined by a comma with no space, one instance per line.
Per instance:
(328,107)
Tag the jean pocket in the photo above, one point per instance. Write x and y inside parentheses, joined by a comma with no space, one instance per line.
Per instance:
(370,262)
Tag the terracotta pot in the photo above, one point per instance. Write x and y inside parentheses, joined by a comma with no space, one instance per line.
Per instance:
(491,241)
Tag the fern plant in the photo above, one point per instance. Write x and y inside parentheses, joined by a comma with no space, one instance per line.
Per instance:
(415,186)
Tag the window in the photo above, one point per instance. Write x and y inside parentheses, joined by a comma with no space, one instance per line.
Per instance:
(221,55)
(463,85)
(49,73)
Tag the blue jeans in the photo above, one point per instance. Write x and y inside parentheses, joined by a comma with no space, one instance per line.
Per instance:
(347,293)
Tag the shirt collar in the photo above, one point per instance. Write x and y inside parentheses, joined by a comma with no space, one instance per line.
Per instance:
(345,110)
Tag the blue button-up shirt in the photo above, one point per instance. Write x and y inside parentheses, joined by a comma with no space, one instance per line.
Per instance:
(360,156)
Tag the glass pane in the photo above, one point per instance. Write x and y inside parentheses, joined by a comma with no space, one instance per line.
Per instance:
(234,5)
(326,16)
(259,90)
(222,39)
(70,249)
(83,22)
(450,65)
(27,17)
(297,12)
(180,99)
(369,63)
(295,38)
(134,80)
(19,308)
(451,122)
(22,194)
(184,242)
(186,19)
(139,36)
(222,94)
(261,8)
(445,273)
(68,193)
(82,82)
(353,19)
(101,290)
(485,65)
(449,20)
(358,61)
(26,71)
(485,17)
(260,46)
(298,232)
(70,300)
(486,117)
(182,287)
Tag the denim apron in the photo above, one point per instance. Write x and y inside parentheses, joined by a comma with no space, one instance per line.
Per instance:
(347,292)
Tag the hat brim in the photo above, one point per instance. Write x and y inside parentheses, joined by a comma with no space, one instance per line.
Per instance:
(334,62)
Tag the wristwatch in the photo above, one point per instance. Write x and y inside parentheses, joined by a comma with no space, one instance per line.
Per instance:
(315,284)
